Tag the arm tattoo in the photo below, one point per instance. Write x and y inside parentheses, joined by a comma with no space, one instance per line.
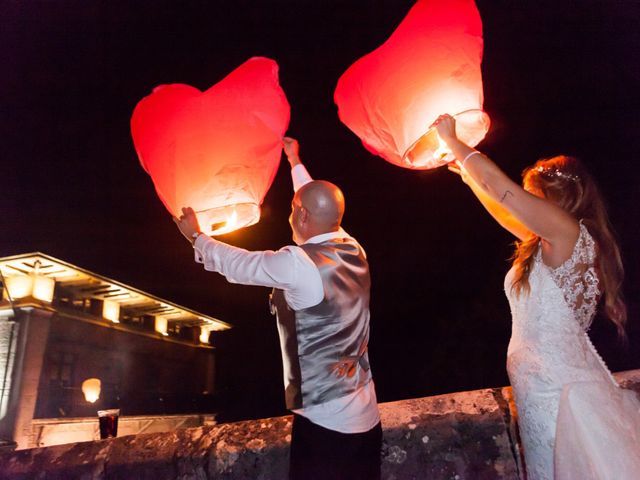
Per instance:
(507,192)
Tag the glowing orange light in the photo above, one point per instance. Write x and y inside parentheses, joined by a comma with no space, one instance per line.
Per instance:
(111,311)
(161,325)
(32,285)
(429,66)
(204,334)
(215,151)
(229,225)
(91,389)
(43,288)
(19,286)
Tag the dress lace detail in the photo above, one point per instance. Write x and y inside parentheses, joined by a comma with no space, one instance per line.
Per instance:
(577,278)
(550,353)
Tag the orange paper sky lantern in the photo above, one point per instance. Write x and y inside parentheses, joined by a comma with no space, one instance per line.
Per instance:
(215,151)
(429,66)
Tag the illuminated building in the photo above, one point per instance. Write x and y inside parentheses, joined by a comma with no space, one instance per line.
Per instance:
(61,325)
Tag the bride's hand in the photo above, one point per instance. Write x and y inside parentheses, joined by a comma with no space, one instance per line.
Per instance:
(455,167)
(445,125)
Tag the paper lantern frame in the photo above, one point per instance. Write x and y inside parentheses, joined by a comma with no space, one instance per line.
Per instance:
(429,151)
(227,218)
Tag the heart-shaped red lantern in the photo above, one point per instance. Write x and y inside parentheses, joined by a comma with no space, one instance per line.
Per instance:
(215,151)
(429,66)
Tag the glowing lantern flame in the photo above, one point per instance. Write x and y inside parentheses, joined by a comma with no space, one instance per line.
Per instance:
(429,66)
(91,389)
(216,151)
(440,152)
(229,225)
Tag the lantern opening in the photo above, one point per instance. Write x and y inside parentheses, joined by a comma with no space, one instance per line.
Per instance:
(221,220)
(429,151)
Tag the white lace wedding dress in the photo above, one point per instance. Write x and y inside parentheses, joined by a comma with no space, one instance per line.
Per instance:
(575,422)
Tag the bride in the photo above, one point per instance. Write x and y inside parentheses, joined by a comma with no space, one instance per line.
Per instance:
(575,422)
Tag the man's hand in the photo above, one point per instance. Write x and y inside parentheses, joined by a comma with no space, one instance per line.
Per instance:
(291,150)
(188,224)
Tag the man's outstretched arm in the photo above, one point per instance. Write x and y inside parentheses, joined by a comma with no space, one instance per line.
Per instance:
(266,268)
(299,173)
(288,268)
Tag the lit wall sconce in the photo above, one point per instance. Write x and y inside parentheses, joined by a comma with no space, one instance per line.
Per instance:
(32,285)
(161,325)
(205,330)
(43,288)
(111,311)
(19,286)
(91,389)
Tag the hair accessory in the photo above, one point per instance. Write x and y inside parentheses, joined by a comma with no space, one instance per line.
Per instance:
(554,172)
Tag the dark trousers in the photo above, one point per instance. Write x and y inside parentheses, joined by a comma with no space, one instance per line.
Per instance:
(320,453)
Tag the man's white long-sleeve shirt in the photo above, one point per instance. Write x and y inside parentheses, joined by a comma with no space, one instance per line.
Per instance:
(291,270)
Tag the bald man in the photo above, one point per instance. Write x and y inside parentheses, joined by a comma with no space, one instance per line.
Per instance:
(321,300)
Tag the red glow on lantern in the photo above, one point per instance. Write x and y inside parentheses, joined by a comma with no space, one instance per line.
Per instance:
(429,66)
(215,151)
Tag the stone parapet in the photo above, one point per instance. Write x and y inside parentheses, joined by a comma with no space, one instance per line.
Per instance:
(467,435)
(57,431)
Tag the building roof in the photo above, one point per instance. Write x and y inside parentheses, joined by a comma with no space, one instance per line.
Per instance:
(75,284)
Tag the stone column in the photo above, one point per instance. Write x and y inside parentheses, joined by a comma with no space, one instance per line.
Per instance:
(33,333)
(9,328)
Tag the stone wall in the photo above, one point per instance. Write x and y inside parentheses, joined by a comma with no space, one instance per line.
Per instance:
(468,435)
(57,431)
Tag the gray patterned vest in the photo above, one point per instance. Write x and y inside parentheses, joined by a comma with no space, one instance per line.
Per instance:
(324,347)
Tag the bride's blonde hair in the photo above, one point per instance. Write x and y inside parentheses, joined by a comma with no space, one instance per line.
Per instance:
(564,181)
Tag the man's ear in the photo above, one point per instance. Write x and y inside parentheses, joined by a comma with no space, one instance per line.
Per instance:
(304,215)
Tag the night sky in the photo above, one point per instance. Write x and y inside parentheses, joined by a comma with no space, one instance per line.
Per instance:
(559,77)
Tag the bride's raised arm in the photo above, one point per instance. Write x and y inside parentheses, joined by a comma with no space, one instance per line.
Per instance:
(516,209)
(495,209)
